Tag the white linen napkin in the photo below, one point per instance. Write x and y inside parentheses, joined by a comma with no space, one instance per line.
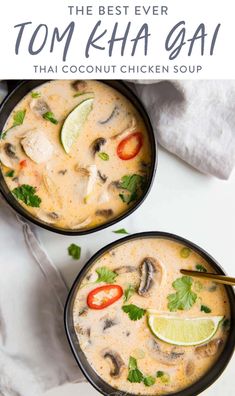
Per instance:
(194,120)
(34,353)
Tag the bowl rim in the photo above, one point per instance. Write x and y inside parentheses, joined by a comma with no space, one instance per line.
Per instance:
(98,383)
(129,94)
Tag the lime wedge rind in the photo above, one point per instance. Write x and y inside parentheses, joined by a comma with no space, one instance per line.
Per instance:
(177,330)
(74,123)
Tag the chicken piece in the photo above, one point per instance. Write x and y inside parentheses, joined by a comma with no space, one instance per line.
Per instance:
(37,146)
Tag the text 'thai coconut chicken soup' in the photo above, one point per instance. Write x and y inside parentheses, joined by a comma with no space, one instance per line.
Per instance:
(144,327)
(75,154)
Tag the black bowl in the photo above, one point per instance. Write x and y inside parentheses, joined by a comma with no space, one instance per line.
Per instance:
(103,387)
(9,104)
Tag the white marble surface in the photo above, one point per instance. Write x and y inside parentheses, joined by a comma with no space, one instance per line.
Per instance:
(182,201)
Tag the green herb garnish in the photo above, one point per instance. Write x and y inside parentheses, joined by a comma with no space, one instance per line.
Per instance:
(200,268)
(205,309)
(133,184)
(121,231)
(104,156)
(27,194)
(10,173)
(128,293)
(184,298)
(185,252)
(49,116)
(105,275)
(149,380)
(74,251)
(134,312)
(159,374)
(35,95)
(134,374)
(18,119)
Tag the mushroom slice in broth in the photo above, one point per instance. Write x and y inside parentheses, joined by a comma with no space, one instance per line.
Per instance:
(115,361)
(150,272)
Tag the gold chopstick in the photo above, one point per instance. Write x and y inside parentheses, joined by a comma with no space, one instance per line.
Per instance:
(226,280)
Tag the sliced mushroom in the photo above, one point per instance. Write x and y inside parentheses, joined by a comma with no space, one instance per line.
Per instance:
(129,129)
(104,213)
(8,155)
(169,358)
(50,218)
(39,106)
(209,349)
(84,223)
(190,368)
(124,269)
(79,85)
(114,113)
(151,271)
(102,177)
(37,146)
(97,144)
(115,361)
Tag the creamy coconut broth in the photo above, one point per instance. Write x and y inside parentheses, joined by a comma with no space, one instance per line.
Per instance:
(114,344)
(90,181)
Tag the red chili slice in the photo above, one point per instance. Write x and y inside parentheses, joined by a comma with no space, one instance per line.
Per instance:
(129,147)
(103,296)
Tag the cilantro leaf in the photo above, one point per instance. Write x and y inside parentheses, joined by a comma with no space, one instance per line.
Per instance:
(133,184)
(200,268)
(35,95)
(184,298)
(74,251)
(18,118)
(10,173)
(27,194)
(105,275)
(121,231)
(134,312)
(104,156)
(128,293)
(134,374)
(205,309)
(49,116)
(159,374)
(149,380)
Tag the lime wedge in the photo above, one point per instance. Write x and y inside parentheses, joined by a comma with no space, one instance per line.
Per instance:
(183,331)
(73,124)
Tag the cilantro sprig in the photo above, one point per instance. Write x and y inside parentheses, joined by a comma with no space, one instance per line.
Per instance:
(27,194)
(133,184)
(136,376)
(134,312)
(74,251)
(184,298)
(128,292)
(18,119)
(105,275)
(121,231)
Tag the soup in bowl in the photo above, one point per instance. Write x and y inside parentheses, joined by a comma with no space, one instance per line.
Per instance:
(76,155)
(137,326)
